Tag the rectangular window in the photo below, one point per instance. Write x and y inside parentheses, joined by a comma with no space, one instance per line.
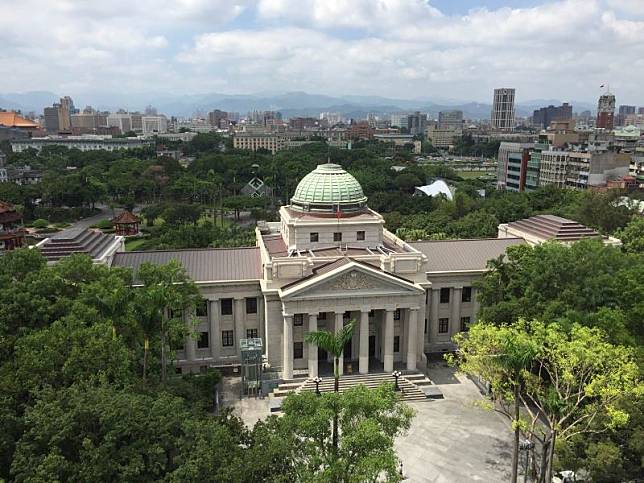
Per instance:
(443,326)
(397,314)
(203,342)
(226,306)
(298,320)
(298,350)
(466,294)
(445,295)
(315,237)
(175,313)
(396,343)
(202,308)
(337,236)
(360,236)
(251,333)
(465,324)
(251,305)
(227,339)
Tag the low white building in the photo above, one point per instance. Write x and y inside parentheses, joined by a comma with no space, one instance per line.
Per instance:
(84,143)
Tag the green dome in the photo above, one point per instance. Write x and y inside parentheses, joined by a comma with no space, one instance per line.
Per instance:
(327,188)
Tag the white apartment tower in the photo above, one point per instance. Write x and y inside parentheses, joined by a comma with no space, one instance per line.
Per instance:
(503,109)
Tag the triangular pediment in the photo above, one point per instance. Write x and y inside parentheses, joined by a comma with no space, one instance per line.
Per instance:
(350,280)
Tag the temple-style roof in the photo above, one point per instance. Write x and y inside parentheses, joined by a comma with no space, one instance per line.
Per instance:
(8,213)
(125,217)
(551,227)
(13,119)
(76,240)
(463,255)
(328,188)
(202,265)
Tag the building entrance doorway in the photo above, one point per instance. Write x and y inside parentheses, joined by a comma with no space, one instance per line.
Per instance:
(372,346)
(347,350)
(322,355)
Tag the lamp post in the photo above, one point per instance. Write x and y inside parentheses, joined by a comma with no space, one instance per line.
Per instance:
(526,446)
(396,375)
(317,381)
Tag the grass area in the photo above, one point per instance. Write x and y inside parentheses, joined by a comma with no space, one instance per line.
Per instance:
(133,244)
(471,174)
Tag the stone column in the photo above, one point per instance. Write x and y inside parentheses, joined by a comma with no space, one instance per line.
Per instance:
(364,342)
(191,348)
(339,324)
(240,333)
(455,316)
(389,341)
(215,331)
(476,305)
(432,330)
(412,339)
(313,349)
(260,321)
(287,355)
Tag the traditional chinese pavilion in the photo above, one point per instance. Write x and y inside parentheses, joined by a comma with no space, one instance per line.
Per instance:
(126,224)
(12,235)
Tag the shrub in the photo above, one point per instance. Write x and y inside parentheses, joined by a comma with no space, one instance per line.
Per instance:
(40,223)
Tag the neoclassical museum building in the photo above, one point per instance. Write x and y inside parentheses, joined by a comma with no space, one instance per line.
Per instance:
(327,261)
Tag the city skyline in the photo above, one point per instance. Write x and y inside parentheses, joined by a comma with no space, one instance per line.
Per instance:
(399,49)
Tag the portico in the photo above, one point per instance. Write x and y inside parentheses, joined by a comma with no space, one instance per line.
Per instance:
(384,308)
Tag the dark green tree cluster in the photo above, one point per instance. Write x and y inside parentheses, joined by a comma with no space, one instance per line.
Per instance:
(87,390)
(583,287)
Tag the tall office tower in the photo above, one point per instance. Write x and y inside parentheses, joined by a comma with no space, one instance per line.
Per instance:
(218,119)
(503,109)
(640,110)
(606,111)
(416,123)
(51,118)
(626,110)
(450,120)
(65,112)
(544,116)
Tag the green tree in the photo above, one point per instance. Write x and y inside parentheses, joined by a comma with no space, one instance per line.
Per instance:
(369,421)
(166,297)
(333,343)
(632,235)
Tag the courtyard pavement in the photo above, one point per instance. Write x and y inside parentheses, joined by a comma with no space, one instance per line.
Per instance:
(451,440)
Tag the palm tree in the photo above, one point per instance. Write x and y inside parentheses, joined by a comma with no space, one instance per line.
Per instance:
(333,343)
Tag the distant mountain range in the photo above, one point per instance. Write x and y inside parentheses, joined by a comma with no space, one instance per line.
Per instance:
(290,104)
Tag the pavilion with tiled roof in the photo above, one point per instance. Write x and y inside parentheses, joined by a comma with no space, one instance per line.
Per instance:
(12,235)
(126,224)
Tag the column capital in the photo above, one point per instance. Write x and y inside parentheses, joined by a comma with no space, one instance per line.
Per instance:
(365,309)
(287,315)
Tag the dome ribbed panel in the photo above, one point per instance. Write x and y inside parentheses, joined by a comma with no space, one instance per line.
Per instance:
(328,184)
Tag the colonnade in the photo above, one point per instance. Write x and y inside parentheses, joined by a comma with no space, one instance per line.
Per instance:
(411,327)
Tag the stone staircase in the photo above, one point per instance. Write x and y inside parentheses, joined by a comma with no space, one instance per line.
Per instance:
(411,385)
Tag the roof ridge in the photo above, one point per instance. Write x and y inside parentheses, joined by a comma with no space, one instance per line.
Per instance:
(188,250)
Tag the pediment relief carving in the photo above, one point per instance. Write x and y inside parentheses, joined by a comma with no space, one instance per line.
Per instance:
(353,281)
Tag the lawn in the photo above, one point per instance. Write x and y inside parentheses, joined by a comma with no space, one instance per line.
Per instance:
(133,244)
(471,174)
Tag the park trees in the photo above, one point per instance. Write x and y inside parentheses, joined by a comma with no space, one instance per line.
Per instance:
(334,344)
(569,382)
(369,421)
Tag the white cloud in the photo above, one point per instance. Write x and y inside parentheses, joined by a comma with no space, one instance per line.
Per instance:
(400,48)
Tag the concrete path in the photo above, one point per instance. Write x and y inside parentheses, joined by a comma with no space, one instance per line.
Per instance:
(452,440)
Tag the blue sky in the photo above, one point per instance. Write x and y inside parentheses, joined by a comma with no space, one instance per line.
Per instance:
(455,49)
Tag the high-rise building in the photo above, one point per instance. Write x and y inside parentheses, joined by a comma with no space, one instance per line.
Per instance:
(503,109)
(399,119)
(640,110)
(606,111)
(450,120)
(417,123)
(544,116)
(218,119)
(625,110)
(51,118)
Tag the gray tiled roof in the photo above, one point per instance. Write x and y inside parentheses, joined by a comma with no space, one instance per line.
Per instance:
(202,265)
(453,255)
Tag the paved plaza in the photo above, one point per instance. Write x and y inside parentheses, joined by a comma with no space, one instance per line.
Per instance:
(451,440)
